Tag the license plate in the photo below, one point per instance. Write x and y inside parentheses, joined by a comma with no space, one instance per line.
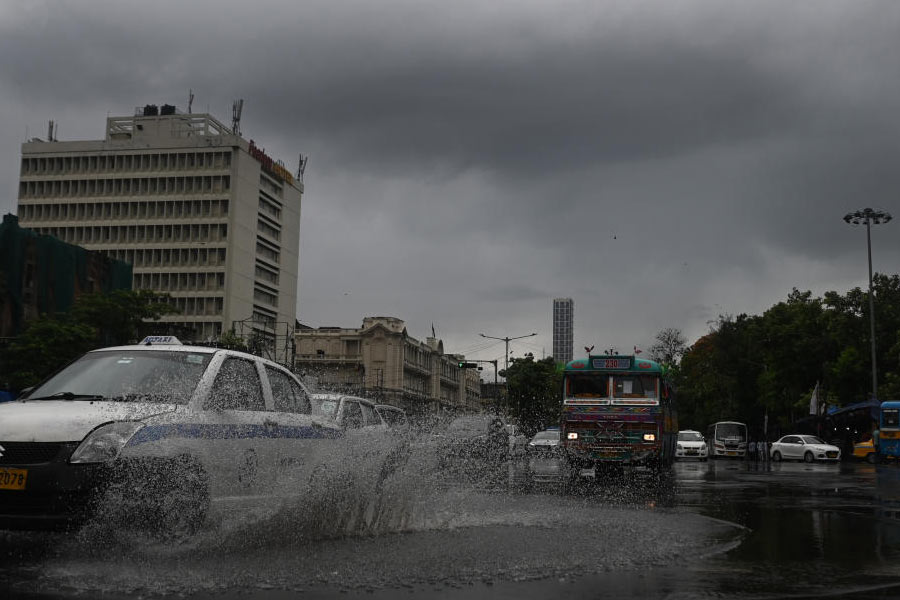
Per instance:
(13,479)
(731,453)
(691,452)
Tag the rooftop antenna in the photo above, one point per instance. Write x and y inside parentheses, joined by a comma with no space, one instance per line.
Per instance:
(50,131)
(302,168)
(236,109)
(190,100)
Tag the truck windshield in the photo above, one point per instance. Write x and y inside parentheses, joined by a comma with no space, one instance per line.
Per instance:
(588,386)
(890,417)
(128,376)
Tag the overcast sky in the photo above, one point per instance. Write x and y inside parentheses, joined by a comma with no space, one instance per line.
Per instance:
(661,162)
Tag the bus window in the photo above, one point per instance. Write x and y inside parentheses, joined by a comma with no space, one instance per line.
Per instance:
(890,417)
(634,386)
(588,386)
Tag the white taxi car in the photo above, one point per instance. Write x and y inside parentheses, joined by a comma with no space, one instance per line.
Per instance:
(690,444)
(156,431)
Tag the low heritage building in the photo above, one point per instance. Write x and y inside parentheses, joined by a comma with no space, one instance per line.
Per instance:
(381,360)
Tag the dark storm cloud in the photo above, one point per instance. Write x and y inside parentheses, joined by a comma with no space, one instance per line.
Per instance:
(662,162)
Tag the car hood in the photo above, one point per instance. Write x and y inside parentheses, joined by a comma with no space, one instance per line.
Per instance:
(691,444)
(67,420)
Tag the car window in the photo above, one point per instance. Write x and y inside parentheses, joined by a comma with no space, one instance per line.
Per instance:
(301,397)
(392,416)
(369,414)
(353,417)
(791,439)
(282,393)
(236,387)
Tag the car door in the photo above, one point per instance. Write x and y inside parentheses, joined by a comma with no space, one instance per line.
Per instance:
(372,420)
(290,432)
(233,428)
(792,447)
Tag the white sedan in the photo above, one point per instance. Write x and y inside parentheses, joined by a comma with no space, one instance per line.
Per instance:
(691,445)
(807,448)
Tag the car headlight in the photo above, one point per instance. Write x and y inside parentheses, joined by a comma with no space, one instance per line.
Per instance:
(649,437)
(703,448)
(572,435)
(104,443)
(680,447)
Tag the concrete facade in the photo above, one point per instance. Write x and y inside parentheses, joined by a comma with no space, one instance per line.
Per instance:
(201,214)
(563,329)
(381,360)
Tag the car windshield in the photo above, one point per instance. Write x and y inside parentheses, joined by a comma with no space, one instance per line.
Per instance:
(811,439)
(689,436)
(129,376)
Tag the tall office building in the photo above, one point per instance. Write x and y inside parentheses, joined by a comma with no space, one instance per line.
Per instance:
(563,328)
(201,214)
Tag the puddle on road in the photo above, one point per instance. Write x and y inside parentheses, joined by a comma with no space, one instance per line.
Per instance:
(365,523)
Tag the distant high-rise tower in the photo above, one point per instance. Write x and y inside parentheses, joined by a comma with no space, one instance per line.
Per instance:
(563,328)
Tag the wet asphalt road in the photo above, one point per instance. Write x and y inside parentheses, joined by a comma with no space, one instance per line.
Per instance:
(723,529)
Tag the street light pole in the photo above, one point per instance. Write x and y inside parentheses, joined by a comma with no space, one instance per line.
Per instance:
(507,340)
(870,217)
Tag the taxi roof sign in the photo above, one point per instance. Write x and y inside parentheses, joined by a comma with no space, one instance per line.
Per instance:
(160,339)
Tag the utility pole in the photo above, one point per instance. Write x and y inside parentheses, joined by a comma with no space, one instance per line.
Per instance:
(507,340)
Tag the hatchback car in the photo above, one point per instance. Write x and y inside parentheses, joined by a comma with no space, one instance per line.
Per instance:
(349,412)
(691,444)
(393,416)
(154,433)
(807,448)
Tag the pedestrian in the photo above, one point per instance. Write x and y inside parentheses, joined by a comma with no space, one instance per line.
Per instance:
(751,450)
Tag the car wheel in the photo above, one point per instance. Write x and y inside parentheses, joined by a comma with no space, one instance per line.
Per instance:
(870,458)
(169,497)
(776,456)
(808,457)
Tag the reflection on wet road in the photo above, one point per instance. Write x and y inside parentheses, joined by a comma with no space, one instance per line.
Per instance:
(718,529)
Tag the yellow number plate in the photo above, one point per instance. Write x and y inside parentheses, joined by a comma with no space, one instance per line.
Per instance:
(13,479)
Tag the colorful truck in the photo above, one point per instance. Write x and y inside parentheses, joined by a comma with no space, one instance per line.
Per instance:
(617,411)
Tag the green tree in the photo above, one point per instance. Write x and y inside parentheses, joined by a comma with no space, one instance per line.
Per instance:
(121,316)
(534,392)
(231,340)
(46,345)
(95,320)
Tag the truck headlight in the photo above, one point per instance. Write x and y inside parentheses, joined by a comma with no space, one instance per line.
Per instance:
(572,435)
(649,437)
(105,442)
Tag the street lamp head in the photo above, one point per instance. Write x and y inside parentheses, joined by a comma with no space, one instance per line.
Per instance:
(867,216)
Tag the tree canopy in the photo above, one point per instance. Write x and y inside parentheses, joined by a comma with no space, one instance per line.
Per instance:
(94,321)
(750,366)
(534,392)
